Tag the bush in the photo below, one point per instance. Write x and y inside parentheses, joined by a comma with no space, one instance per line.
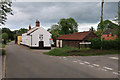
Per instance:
(61,51)
(106,44)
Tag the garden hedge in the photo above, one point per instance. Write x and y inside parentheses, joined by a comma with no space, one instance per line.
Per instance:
(106,44)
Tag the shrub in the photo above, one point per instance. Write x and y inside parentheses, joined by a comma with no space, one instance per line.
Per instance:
(106,44)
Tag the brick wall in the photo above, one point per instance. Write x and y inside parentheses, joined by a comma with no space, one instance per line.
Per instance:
(109,36)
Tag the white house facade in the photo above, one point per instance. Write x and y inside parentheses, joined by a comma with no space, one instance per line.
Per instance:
(37,37)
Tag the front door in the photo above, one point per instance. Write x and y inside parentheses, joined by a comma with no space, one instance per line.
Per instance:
(41,44)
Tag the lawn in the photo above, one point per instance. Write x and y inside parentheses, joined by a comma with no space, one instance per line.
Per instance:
(71,51)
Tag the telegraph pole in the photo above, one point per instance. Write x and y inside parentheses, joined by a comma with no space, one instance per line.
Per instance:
(101,21)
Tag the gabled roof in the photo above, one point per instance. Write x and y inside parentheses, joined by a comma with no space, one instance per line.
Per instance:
(32,31)
(75,36)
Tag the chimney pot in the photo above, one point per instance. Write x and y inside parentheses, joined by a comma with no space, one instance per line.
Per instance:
(37,23)
(29,27)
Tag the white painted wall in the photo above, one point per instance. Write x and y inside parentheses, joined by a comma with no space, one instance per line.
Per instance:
(26,40)
(61,43)
(57,43)
(36,39)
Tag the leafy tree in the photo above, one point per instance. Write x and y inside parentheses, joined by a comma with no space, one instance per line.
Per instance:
(5,8)
(91,29)
(9,32)
(55,26)
(55,31)
(22,30)
(107,24)
(68,26)
(64,26)
(5,37)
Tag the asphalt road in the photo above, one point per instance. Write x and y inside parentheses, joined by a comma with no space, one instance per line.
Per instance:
(23,62)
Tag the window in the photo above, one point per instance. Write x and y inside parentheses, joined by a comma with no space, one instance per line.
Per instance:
(108,35)
(41,37)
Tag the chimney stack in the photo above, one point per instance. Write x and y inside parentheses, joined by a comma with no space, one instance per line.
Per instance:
(37,23)
(29,27)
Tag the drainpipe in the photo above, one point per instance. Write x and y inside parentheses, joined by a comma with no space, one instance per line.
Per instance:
(31,40)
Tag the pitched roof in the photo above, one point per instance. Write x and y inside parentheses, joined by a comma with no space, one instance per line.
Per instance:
(75,36)
(32,31)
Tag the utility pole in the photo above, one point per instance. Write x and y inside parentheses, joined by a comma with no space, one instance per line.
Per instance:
(101,21)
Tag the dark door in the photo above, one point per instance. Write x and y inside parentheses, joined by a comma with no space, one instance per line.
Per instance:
(41,44)
(59,43)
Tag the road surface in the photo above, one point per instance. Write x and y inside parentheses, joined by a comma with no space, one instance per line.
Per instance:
(23,62)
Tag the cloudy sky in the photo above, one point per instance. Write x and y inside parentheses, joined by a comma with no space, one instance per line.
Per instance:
(86,14)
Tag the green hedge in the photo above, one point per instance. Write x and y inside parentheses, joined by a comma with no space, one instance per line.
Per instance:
(106,44)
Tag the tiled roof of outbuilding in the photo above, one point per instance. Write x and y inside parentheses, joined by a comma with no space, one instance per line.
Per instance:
(75,36)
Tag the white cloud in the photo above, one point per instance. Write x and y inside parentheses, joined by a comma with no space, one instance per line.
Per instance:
(86,26)
(48,13)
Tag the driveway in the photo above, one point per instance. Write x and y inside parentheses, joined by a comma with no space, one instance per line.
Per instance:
(23,62)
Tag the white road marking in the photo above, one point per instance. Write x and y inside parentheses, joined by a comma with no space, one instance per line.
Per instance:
(114,58)
(108,68)
(64,57)
(115,73)
(90,66)
(86,62)
(96,65)
(81,63)
(74,61)
(104,69)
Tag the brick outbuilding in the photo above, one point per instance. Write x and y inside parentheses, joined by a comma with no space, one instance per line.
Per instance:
(74,39)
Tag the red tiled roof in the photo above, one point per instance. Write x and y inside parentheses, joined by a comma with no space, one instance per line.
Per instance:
(75,36)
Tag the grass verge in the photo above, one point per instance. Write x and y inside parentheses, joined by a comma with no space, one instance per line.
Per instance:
(71,51)
(2,51)
(2,45)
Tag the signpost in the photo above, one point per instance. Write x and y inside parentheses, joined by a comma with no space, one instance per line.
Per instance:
(84,43)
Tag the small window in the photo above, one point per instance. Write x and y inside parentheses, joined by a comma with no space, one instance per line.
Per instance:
(41,37)
(108,35)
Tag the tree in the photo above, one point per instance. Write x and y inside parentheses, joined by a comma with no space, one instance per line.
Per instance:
(9,32)
(91,29)
(5,8)
(98,32)
(107,24)
(22,30)
(68,26)
(5,37)
(55,26)
(55,31)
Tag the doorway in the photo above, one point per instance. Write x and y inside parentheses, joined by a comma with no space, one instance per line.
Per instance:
(41,44)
